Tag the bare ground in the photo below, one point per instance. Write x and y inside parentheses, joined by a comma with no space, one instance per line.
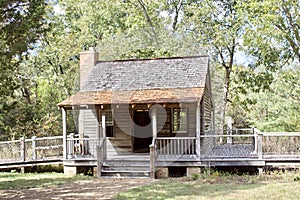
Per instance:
(87,189)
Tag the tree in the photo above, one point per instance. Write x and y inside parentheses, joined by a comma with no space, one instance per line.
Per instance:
(275,108)
(22,23)
(218,25)
(272,35)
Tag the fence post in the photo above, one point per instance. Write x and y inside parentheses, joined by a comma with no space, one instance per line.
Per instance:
(152,161)
(259,145)
(34,154)
(99,161)
(70,142)
(229,130)
(22,149)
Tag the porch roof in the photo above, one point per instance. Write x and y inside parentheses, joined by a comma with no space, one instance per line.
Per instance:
(177,95)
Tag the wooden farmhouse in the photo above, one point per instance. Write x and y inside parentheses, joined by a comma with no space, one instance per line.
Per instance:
(142,117)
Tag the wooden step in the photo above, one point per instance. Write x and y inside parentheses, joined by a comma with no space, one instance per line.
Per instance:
(126,168)
(125,174)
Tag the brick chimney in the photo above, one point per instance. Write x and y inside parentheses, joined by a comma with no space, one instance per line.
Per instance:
(88,60)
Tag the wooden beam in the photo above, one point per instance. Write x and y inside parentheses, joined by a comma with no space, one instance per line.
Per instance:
(198,131)
(103,124)
(152,161)
(64,121)
(154,122)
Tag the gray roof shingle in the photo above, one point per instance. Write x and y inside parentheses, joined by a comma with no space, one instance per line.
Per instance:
(144,74)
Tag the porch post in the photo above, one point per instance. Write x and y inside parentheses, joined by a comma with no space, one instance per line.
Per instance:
(103,124)
(152,146)
(198,147)
(64,120)
(154,123)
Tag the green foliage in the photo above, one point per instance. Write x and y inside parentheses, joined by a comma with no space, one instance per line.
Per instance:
(272,35)
(218,25)
(269,106)
(195,176)
(40,54)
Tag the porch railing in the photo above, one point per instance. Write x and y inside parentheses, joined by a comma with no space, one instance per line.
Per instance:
(175,146)
(237,144)
(280,145)
(82,147)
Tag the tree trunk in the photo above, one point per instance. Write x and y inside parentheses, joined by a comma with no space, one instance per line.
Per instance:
(224,102)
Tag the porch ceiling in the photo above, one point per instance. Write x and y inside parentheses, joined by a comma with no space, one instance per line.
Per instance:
(177,95)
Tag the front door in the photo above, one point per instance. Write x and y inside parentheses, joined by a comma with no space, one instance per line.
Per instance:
(142,131)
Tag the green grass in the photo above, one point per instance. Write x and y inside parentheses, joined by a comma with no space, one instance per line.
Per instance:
(220,186)
(16,181)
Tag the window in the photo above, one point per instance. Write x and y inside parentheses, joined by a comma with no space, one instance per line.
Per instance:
(109,121)
(179,120)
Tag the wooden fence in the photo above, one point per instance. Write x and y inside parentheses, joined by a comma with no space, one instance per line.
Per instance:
(238,143)
(31,149)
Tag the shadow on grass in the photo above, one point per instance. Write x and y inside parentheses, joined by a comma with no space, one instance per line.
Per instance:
(19,182)
(176,188)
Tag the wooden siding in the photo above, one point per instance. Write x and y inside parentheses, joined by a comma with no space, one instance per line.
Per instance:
(206,120)
(164,116)
(122,126)
(90,128)
(192,121)
(90,123)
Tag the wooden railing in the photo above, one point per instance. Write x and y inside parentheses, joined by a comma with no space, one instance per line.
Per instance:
(31,149)
(240,145)
(82,147)
(279,144)
(175,146)
(252,143)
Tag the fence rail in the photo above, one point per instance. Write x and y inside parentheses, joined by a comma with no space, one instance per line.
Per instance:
(281,144)
(236,143)
(177,146)
(31,149)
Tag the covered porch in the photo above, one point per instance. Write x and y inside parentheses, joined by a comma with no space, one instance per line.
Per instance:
(132,134)
(150,125)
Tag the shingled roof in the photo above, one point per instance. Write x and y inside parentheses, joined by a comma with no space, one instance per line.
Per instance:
(148,74)
(153,80)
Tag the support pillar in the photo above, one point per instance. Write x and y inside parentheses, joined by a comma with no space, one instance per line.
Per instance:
(229,130)
(103,125)
(152,146)
(259,145)
(64,120)
(154,122)
(190,171)
(198,147)
(260,171)
(34,153)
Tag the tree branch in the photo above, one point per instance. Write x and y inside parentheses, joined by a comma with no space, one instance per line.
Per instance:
(178,7)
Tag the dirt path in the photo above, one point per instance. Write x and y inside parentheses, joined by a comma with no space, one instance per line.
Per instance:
(88,189)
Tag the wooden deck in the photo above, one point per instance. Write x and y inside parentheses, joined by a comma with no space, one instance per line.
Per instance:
(254,150)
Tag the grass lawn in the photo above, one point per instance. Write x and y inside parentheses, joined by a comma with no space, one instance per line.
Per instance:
(16,181)
(219,186)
